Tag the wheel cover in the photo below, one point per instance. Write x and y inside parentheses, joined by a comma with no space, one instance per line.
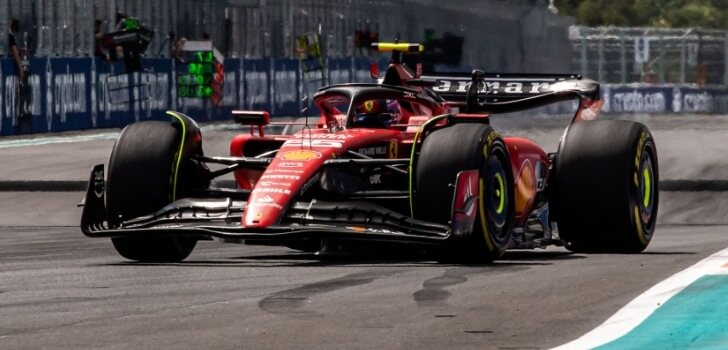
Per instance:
(496,194)
(499,194)
(646,188)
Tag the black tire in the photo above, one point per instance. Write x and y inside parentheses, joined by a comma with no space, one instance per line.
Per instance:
(605,194)
(444,153)
(139,182)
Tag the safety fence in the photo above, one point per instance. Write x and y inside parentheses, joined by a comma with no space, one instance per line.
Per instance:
(651,55)
(268,28)
(84,93)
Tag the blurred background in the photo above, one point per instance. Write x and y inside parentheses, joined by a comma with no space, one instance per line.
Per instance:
(612,41)
(268,28)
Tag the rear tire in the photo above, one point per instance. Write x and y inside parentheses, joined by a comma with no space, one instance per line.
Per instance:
(444,153)
(605,195)
(140,183)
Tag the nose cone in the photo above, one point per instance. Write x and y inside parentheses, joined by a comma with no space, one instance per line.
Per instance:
(297,162)
(280,184)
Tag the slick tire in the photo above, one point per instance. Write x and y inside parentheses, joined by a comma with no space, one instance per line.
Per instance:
(139,183)
(444,153)
(605,194)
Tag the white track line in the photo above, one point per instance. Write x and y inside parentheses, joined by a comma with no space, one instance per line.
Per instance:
(44,140)
(632,314)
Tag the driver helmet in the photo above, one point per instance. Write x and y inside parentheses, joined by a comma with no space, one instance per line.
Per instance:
(375,113)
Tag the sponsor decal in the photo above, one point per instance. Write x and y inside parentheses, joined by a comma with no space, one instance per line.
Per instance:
(370,229)
(638,101)
(273,190)
(266,199)
(372,151)
(638,157)
(301,154)
(323,136)
(70,93)
(112,90)
(271,183)
(290,164)
(285,171)
(493,87)
(313,143)
(269,205)
(393,149)
(281,177)
(375,179)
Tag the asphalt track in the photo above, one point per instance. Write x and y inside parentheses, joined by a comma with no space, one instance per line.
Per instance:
(61,290)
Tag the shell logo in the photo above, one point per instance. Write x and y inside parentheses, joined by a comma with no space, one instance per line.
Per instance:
(300,155)
(393,151)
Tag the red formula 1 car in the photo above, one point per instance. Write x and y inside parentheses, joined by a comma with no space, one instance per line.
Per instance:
(409,159)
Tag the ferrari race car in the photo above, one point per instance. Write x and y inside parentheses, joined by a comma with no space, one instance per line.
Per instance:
(410,159)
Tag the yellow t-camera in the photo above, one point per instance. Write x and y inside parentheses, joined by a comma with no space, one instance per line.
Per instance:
(400,47)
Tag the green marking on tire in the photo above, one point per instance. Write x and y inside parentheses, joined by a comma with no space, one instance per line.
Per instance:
(179,153)
(647,180)
(500,191)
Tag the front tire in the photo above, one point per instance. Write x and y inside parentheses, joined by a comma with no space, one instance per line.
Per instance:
(605,195)
(140,182)
(466,146)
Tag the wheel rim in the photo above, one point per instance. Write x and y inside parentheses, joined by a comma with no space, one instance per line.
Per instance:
(646,189)
(496,193)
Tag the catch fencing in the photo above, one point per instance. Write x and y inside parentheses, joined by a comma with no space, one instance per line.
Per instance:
(536,39)
(651,55)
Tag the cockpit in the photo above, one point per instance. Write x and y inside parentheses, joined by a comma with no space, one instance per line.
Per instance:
(377,114)
(371,107)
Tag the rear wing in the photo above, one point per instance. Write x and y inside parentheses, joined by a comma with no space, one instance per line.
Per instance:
(502,93)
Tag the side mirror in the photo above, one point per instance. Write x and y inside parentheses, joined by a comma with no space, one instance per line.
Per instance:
(304,106)
(374,70)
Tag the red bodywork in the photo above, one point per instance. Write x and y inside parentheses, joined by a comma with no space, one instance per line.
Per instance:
(301,156)
(298,159)
(349,174)
(530,166)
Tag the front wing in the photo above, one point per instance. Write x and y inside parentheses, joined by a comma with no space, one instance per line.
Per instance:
(207,218)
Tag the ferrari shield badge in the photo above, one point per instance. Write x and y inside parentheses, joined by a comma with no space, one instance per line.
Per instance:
(369,105)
